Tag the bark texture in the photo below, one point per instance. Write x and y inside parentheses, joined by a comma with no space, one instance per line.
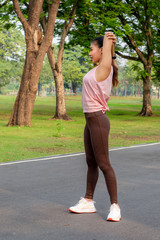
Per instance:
(147,107)
(60,95)
(36,48)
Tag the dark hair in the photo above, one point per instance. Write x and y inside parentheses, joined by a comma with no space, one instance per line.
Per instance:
(99,42)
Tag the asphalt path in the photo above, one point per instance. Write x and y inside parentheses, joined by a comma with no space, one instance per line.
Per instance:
(35,196)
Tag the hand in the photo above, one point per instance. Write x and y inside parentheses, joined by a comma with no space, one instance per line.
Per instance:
(111,35)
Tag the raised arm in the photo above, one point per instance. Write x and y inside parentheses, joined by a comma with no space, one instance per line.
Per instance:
(104,68)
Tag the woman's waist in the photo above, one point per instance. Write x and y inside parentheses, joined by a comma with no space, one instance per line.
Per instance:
(94,114)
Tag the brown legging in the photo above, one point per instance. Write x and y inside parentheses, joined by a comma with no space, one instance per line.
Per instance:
(97,155)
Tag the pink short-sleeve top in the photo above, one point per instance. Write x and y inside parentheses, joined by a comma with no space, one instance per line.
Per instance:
(95,95)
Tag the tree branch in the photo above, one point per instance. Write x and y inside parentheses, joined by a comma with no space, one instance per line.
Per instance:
(43,22)
(145,24)
(50,26)
(35,8)
(128,57)
(66,29)
(20,15)
(147,29)
(49,5)
(135,11)
(130,38)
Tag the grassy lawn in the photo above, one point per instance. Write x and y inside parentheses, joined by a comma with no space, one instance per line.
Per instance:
(49,137)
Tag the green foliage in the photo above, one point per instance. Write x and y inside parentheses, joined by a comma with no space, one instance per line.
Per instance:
(72,75)
(5,68)
(46,76)
(129,78)
(140,72)
(12,51)
(12,46)
(8,17)
(126,18)
(74,68)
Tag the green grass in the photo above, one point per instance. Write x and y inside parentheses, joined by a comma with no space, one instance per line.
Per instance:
(49,137)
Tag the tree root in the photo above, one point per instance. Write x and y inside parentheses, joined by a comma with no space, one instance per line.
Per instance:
(63,117)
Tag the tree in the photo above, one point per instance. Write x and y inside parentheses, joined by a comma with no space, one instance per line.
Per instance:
(66,18)
(136,24)
(36,48)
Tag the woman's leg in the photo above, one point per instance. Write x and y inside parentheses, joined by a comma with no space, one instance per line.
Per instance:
(92,174)
(99,127)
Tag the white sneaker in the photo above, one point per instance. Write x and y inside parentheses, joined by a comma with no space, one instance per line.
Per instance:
(83,206)
(114,213)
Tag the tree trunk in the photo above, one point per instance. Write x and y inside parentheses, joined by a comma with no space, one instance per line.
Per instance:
(121,91)
(125,90)
(146,108)
(158,92)
(60,99)
(74,87)
(39,88)
(50,89)
(138,91)
(23,107)
(60,96)
(126,82)
(117,91)
(133,90)
(71,88)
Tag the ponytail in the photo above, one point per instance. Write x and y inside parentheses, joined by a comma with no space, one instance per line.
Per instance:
(115,75)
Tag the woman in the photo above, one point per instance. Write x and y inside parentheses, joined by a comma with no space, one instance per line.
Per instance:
(96,90)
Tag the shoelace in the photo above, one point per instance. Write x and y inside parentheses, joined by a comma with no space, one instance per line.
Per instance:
(113,206)
(83,200)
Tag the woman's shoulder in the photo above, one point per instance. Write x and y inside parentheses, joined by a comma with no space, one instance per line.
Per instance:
(93,69)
